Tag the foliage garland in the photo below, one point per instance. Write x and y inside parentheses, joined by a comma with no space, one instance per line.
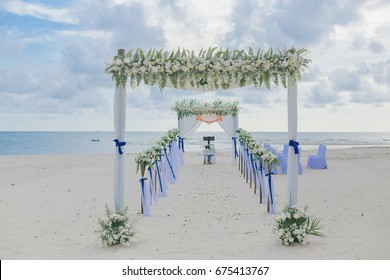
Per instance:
(211,69)
(256,149)
(149,156)
(186,108)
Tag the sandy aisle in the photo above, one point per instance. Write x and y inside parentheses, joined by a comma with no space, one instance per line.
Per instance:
(49,207)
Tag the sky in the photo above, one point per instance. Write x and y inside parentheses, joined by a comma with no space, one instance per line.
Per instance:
(53,55)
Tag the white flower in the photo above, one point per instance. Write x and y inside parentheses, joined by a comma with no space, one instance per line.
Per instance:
(201,67)
(127,60)
(184,68)
(175,67)
(118,62)
(284,64)
(266,65)
(142,69)
(296,216)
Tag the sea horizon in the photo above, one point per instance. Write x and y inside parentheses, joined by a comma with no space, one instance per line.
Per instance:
(101,142)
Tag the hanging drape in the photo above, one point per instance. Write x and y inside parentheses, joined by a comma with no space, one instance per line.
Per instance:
(229,124)
(292,170)
(119,125)
(187,126)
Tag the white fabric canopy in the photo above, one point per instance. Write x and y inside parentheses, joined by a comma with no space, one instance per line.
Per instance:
(229,124)
(292,163)
(187,126)
(120,125)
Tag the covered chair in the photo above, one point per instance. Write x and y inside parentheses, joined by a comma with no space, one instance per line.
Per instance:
(283,156)
(283,163)
(318,161)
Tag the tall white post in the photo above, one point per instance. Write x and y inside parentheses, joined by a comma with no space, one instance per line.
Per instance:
(120,126)
(292,164)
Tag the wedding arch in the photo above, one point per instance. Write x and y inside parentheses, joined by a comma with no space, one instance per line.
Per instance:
(191,114)
(210,70)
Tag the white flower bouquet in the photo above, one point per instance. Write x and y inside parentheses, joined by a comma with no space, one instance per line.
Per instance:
(294,225)
(116,229)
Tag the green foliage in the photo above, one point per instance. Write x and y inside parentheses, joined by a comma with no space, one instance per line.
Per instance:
(294,225)
(116,228)
(209,69)
(185,108)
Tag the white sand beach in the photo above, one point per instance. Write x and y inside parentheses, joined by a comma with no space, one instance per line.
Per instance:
(50,205)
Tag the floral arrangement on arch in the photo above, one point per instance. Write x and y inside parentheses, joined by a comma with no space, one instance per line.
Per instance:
(295,226)
(116,228)
(256,149)
(211,68)
(185,108)
(149,156)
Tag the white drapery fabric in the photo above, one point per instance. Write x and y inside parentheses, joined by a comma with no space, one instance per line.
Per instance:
(292,163)
(119,125)
(229,124)
(188,125)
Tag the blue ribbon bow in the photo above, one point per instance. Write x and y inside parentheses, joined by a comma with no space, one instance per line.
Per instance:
(181,143)
(142,181)
(119,145)
(235,147)
(294,144)
(269,183)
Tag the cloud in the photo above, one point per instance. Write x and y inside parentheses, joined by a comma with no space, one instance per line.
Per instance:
(376,46)
(52,55)
(286,23)
(61,15)
(321,95)
(344,80)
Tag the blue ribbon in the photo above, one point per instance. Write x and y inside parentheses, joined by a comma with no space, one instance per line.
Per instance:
(119,145)
(235,147)
(294,144)
(169,163)
(158,174)
(142,181)
(181,143)
(269,183)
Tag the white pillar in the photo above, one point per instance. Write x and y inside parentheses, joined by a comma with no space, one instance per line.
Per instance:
(120,127)
(292,164)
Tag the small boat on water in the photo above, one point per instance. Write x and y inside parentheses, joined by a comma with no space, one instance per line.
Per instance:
(95,140)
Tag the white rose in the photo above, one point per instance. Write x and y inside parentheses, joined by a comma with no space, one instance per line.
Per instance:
(118,62)
(296,216)
(284,63)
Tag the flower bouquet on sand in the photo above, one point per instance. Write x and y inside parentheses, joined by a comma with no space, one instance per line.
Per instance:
(294,225)
(116,228)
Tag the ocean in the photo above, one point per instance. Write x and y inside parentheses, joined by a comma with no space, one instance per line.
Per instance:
(33,143)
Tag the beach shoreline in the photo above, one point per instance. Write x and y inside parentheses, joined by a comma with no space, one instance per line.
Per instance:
(50,206)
